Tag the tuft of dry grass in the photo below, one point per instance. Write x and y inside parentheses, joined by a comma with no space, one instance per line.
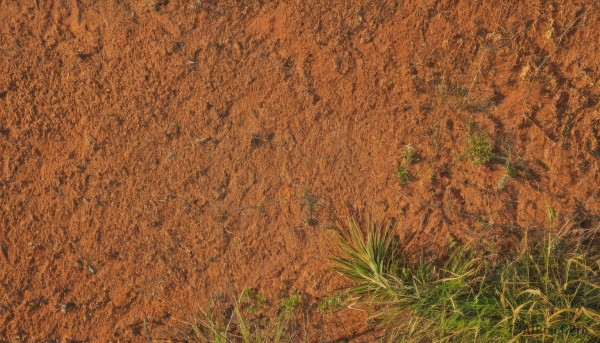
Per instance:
(249,318)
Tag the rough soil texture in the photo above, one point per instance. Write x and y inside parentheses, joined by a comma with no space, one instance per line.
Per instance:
(156,153)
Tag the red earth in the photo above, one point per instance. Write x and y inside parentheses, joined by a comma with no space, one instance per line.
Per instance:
(156,153)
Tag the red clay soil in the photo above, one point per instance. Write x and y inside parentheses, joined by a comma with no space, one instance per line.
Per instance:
(156,153)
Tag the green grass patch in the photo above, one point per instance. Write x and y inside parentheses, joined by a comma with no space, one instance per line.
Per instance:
(480,149)
(409,156)
(549,291)
(403,175)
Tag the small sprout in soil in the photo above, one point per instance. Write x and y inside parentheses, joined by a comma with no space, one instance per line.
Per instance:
(445,171)
(487,224)
(330,303)
(261,299)
(256,301)
(512,171)
(403,175)
(256,140)
(409,154)
(480,149)
(291,303)
(503,181)
(471,125)
(311,207)
(249,292)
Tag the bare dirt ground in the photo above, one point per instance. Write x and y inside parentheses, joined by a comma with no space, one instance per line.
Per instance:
(156,153)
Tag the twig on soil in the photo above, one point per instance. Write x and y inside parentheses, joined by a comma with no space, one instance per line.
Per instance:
(146,331)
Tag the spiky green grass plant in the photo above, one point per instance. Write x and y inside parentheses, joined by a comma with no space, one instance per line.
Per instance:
(368,261)
(548,292)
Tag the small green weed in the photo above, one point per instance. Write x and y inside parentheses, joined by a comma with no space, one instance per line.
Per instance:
(480,149)
(330,303)
(409,154)
(403,175)
(256,301)
(311,207)
(291,303)
(512,170)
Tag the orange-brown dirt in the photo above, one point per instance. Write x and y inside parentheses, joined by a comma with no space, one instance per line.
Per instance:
(156,153)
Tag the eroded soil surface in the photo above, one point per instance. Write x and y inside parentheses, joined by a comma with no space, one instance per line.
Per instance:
(156,153)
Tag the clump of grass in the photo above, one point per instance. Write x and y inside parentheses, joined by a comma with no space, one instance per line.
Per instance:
(368,261)
(409,156)
(550,291)
(403,175)
(480,149)
(251,318)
